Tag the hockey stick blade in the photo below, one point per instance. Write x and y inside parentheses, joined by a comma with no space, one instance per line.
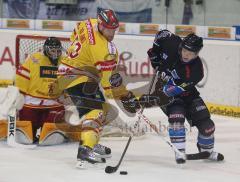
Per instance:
(112,169)
(198,156)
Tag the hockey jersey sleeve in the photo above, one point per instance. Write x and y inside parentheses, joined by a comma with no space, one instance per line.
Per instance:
(22,79)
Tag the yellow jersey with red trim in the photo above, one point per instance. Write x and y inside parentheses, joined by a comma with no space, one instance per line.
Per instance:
(91,58)
(36,78)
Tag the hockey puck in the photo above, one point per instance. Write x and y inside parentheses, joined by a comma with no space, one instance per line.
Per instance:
(123,172)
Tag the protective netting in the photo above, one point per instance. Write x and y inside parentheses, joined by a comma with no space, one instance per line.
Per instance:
(29,44)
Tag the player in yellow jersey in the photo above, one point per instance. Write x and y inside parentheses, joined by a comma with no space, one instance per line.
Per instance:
(91,64)
(36,79)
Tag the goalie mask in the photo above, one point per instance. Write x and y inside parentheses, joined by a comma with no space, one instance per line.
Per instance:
(52,48)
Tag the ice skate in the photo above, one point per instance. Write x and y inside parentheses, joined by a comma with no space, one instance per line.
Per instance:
(102,151)
(87,159)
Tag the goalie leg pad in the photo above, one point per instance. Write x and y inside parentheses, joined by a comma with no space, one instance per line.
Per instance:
(57,133)
(24,132)
(3,129)
(52,135)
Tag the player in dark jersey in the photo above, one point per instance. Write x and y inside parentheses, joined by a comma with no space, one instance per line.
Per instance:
(181,69)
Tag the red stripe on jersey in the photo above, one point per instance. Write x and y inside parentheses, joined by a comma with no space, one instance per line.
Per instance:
(42,106)
(23,68)
(24,76)
(67,69)
(38,97)
(188,71)
(107,88)
(106,65)
(96,130)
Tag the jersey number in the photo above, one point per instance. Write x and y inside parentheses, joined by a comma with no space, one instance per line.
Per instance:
(75,52)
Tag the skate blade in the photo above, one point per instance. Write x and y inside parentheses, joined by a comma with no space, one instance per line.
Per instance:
(87,165)
(106,156)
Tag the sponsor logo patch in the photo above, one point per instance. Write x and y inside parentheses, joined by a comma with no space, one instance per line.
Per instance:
(48,71)
(115,80)
(91,37)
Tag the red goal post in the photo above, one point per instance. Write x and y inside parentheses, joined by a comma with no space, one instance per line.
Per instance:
(29,44)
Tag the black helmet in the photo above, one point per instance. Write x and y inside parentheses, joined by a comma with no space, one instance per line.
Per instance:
(192,43)
(50,44)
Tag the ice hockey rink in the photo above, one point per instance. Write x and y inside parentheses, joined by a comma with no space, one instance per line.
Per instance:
(149,158)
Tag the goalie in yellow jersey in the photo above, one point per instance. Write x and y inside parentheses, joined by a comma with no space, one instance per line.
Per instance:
(36,79)
(91,64)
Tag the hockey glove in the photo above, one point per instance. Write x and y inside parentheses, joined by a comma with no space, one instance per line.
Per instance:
(154,58)
(165,77)
(130,103)
(171,89)
(147,101)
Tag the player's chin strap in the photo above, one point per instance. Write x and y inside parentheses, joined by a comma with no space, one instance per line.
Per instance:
(154,127)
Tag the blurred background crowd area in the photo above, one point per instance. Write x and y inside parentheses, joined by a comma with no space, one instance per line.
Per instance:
(186,12)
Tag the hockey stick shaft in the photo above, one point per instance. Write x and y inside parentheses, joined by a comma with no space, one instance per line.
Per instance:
(154,127)
(124,152)
(149,91)
(111,169)
(150,87)
(196,156)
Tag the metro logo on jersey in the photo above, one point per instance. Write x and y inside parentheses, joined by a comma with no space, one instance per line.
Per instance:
(48,71)
(106,65)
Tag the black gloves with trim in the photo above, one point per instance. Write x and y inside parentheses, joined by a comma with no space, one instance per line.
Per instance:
(130,103)
(154,58)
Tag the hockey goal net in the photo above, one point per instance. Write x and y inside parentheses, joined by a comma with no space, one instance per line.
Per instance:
(29,44)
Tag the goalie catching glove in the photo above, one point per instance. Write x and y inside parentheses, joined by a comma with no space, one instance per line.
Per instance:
(130,103)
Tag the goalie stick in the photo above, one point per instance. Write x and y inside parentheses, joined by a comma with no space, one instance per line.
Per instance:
(11,137)
(196,156)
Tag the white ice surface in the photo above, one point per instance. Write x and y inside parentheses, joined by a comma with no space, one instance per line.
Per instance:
(148,159)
